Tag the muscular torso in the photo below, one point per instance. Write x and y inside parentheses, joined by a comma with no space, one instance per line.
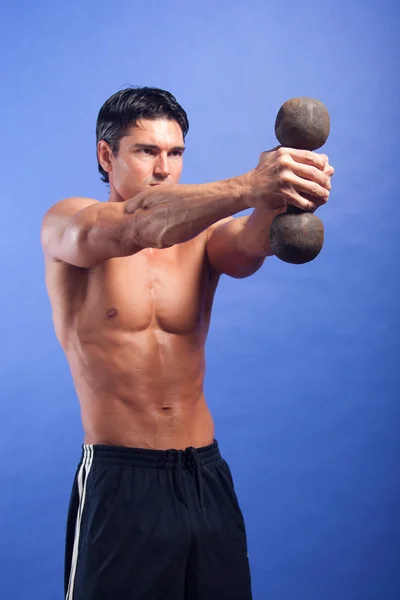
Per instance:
(134,332)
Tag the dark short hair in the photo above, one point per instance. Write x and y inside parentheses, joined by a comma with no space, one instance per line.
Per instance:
(125,108)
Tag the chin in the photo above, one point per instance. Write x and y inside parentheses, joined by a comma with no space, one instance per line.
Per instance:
(130,192)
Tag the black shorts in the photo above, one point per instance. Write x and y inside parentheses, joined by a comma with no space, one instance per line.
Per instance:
(155,525)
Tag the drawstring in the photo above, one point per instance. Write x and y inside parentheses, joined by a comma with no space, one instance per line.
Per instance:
(194,462)
(178,472)
(178,476)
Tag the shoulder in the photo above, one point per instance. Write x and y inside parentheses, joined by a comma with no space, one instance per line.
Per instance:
(57,218)
(68,206)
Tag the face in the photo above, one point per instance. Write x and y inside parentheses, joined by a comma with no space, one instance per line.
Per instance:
(150,154)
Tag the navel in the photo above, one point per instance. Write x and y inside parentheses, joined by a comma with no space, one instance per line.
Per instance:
(112,312)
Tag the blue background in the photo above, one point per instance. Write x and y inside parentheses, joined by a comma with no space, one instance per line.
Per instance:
(303,376)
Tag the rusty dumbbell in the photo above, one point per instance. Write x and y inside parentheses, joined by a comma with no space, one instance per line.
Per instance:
(297,236)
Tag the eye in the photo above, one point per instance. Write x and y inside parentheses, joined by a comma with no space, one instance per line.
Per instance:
(146,151)
(177,153)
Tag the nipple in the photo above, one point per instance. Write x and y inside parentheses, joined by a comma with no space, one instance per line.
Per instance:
(111,312)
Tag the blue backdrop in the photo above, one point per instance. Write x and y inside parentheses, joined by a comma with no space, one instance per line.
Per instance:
(303,376)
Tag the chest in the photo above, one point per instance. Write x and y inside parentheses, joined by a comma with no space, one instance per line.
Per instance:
(169,289)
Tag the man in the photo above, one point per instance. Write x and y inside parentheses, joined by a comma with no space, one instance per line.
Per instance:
(153,512)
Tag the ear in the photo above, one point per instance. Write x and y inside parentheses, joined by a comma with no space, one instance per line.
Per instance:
(104,154)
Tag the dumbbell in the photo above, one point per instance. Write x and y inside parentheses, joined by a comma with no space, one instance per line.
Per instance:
(297,236)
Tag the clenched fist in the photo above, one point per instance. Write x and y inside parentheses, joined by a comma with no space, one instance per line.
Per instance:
(285,176)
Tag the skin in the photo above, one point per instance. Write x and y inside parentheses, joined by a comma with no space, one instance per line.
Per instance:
(133,324)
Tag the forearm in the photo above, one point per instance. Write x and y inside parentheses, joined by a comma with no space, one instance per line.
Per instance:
(253,239)
(172,214)
(157,217)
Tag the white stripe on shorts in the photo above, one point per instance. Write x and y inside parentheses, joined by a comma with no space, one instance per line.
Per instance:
(82,480)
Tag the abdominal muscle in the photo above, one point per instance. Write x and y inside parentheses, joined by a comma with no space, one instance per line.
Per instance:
(143,390)
(138,368)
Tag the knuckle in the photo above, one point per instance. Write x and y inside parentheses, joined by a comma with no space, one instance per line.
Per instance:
(284,162)
(284,176)
(323,180)
(317,160)
(318,192)
(310,156)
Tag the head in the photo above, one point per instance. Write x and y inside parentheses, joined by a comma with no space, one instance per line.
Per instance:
(140,136)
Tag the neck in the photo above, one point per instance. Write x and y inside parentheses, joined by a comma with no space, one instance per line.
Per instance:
(114,196)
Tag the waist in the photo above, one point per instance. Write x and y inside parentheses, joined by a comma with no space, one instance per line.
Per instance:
(148,458)
(145,424)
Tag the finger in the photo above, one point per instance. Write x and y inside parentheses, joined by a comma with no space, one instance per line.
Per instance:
(329,170)
(312,174)
(309,158)
(279,211)
(326,160)
(269,151)
(295,199)
(311,188)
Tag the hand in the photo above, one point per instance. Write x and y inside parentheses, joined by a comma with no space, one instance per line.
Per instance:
(285,176)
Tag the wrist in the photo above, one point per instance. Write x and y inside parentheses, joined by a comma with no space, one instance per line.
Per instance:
(243,191)
(254,238)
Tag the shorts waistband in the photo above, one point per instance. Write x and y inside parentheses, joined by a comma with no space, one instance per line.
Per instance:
(144,457)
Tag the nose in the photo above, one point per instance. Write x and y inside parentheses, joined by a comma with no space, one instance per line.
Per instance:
(161,167)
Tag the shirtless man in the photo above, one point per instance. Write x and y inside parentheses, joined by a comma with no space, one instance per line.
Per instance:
(153,512)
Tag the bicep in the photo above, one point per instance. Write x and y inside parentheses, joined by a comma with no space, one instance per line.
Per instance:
(224,252)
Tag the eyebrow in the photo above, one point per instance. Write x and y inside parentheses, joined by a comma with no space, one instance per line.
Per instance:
(155,147)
